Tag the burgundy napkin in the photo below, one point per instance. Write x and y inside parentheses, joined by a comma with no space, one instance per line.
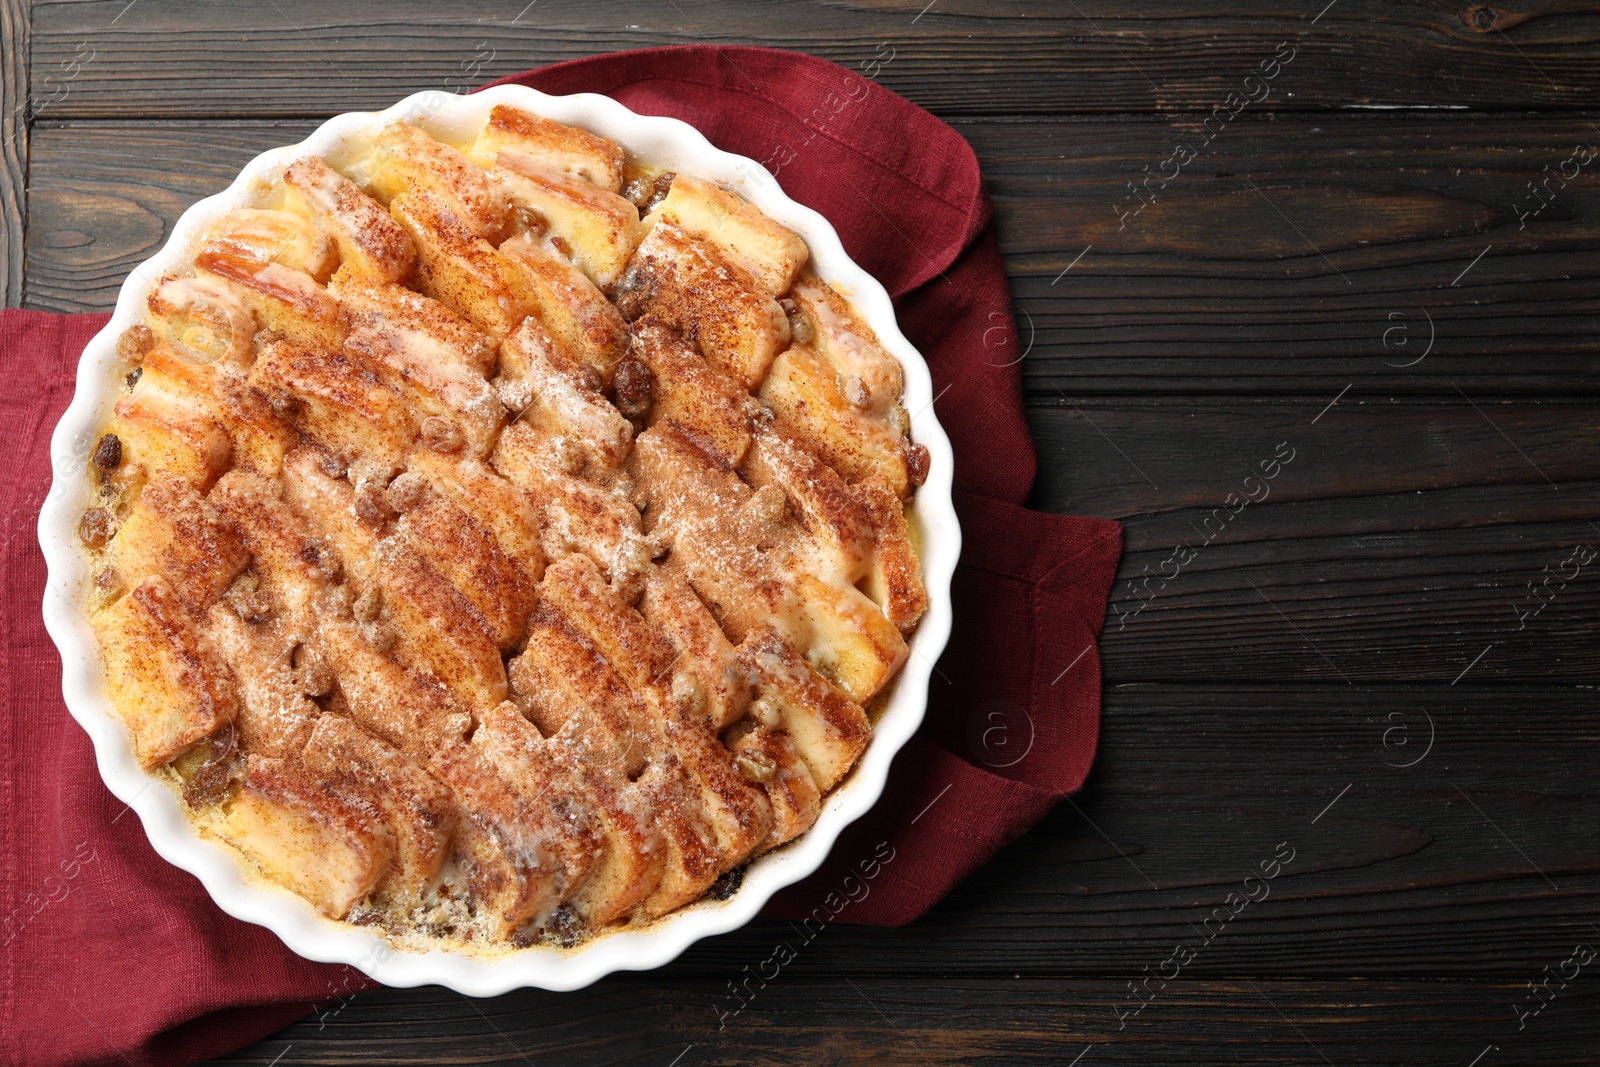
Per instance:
(110,955)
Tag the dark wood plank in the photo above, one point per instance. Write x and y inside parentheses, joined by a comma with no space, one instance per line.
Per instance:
(1216,293)
(1398,543)
(301,57)
(843,1019)
(1300,253)
(13,147)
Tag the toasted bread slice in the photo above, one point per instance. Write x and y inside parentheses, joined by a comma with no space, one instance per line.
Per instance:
(469,557)
(434,628)
(276,262)
(598,228)
(418,323)
(505,846)
(496,505)
(568,149)
(457,267)
(541,774)
(328,851)
(679,279)
(851,641)
(838,531)
(433,388)
(557,403)
(258,437)
(164,426)
(767,755)
(692,860)
(166,682)
(575,515)
(698,506)
(769,253)
(336,399)
(420,813)
(702,654)
(369,241)
(172,530)
(585,325)
(203,319)
(828,730)
(274,717)
(842,338)
(567,689)
(298,565)
(803,392)
(404,159)
(409,709)
(701,403)
(894,577)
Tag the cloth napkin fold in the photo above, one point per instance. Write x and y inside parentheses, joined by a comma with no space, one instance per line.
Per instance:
(110,955)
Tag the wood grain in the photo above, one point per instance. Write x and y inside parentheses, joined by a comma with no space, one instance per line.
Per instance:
(302,57)
(847,1019)
(1209,290)
(13,147)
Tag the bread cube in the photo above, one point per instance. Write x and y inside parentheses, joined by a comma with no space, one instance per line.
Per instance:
(468,556)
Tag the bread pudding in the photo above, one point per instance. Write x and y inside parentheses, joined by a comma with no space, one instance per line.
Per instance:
(501,542)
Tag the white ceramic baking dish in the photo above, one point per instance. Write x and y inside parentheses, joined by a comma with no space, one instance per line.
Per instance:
(658,141)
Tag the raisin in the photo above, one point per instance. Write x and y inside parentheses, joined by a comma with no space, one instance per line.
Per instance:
(917,463)
(658,192)
(633,385)
(108,453)
(564,927)
(441,435)
(726,885)
(96,527)
(133,377)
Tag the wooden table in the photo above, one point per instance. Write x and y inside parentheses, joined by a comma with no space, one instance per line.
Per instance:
(1386,665)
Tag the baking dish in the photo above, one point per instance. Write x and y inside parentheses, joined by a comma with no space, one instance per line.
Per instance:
(658,141)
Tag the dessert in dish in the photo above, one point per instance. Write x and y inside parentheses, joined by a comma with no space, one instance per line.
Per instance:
(501,542)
